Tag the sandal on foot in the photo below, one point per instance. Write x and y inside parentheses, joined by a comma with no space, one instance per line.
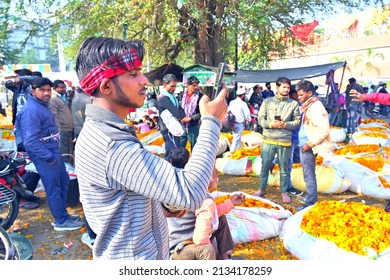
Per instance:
(286,198)
(259,193)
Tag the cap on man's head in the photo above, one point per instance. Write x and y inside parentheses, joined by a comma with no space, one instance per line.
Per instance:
(240,92)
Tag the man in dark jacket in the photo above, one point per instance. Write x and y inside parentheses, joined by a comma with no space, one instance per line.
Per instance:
(171,113)
(21,88)
(41,140)
(352,106)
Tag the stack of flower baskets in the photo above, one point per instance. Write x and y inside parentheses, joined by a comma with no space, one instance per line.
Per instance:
(372,132)
(244,161)
(333,230)
(367,167)
(257,219)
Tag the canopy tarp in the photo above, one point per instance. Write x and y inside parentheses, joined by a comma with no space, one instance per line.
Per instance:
(155,76)
(263,76)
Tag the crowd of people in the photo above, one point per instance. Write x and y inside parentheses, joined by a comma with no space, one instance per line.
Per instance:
(127,193)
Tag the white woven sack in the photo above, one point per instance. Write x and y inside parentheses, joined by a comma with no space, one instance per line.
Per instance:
(364,140)
(338,135)
(363,180)
(240,167)
(248,224)
(307,247)
(252,139)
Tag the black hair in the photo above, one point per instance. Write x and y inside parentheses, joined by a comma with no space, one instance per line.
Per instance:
(23,72)
(97,50)
(352,80)
(292,89)
(305,85)
(56,83)
(192,80)
(267,84)
(179,157)
(169,78)
(39,82)
(283,80)
(255,87)
(37,74)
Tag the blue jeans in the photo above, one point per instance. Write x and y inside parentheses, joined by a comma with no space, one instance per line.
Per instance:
(191,135)
(171,142)
(308,160)
(268,152)
(55,179)
(294,146)
(237,132)
(352,117)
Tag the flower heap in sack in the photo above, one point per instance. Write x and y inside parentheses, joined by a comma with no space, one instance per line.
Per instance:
(245,152)
(229,136)
(248,202)
(373,156)
(385,124)
(352,226)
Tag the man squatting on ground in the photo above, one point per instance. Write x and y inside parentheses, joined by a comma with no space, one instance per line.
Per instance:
(122,185)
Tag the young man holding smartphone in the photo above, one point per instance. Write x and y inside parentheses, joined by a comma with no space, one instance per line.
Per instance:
(279,116)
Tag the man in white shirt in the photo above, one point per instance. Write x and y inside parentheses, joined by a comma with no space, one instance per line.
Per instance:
(240,110)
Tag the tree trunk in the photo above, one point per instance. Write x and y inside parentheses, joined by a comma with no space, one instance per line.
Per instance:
(208,46)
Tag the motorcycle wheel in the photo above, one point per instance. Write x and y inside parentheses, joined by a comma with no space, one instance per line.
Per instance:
(8,213)
(7,251)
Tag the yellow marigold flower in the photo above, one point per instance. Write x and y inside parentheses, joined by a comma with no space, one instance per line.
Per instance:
(352,226)
(248,202)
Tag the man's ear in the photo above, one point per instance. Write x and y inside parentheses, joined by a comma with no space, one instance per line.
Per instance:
(106,86)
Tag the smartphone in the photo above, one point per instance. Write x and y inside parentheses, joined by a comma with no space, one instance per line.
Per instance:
(278,118)
(218,80)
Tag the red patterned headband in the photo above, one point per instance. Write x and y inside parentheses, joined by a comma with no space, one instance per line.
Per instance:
(112,67)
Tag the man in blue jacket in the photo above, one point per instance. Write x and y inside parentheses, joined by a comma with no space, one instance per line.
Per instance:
(41,140)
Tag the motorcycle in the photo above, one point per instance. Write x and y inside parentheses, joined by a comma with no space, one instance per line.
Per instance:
(14,246)
(12,188)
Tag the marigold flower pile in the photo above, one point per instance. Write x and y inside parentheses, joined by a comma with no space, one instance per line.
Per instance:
(376,134)
(374,160)
(248,202)
(375,121)
(352,226)
(245,152)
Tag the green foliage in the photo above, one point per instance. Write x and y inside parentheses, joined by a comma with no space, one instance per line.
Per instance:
(200,31)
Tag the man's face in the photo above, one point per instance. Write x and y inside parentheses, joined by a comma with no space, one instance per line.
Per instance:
(61,88)
(194,87)
(42,93)
(130,89)
(171,87)
(303,95)
(283,89)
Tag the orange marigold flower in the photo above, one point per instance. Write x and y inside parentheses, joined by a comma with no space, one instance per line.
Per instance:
(352,226)
(248,202)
